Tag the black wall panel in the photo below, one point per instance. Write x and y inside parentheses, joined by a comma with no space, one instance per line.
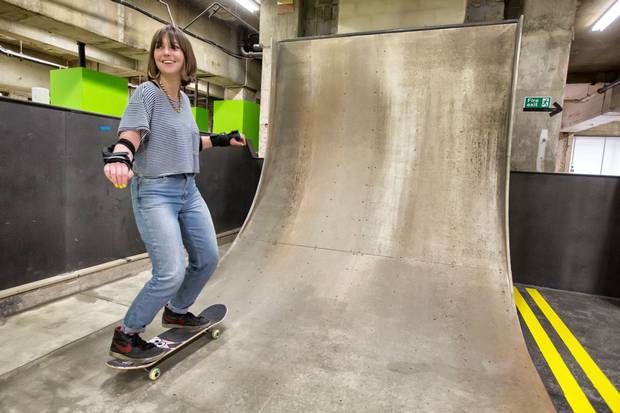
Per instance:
(32,150)
(565,231)
(99,223)
(228,182)
(58,213)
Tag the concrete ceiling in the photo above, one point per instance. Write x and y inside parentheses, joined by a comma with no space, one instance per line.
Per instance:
(594,51)
(45,44)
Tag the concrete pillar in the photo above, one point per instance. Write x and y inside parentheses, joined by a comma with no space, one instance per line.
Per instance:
(484,11)
(276,23)
(547,35)
(564,152)
(320,17)
(364,15)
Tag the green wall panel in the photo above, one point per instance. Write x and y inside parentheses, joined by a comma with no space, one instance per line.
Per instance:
(84,89)
(241,115)
(66,88)
(202,118)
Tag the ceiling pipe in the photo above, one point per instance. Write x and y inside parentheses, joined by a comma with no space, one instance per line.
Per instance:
(9,52)
(169,12)
(248,54)
(82,53)
(217,6)
(609,86)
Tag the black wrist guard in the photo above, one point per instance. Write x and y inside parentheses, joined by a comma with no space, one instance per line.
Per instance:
(234,135)
(112,157)
(220,140)
(127,143)
(224,139)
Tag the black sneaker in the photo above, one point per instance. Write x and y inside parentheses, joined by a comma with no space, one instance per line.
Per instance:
(187,321)
(133,347)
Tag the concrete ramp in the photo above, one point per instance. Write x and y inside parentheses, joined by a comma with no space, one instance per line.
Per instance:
(372,273)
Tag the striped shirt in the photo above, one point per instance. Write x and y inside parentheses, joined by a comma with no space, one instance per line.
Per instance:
(169,140)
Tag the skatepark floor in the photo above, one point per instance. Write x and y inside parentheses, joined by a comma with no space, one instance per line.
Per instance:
(52,326)
(49,328)
(594,321)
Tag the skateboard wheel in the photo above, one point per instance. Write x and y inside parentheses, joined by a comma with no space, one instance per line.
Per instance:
(154,373)
(215,334)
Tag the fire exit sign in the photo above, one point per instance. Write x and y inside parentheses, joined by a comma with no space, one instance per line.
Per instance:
(537,102)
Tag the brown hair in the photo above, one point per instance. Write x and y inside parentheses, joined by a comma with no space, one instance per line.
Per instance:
(174,34)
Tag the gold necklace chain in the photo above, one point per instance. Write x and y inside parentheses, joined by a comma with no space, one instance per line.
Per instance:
(177,107)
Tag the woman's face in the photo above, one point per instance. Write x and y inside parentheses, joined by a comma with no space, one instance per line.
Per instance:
(169,57)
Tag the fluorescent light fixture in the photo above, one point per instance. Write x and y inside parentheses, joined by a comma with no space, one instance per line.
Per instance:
(606,19)
(249,5)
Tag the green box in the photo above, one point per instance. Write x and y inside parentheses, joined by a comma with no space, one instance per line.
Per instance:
(84,89)
(241,115)
(202,118)
(534,102)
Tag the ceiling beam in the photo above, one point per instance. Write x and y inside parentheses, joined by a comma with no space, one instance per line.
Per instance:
(592,109)
(59,45)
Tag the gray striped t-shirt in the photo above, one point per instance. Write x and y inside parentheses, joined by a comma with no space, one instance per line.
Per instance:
(170,140)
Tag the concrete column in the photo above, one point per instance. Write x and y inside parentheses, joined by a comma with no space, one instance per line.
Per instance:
(484,11)
(363,15)
(276,23)
(564,152)
(547,36)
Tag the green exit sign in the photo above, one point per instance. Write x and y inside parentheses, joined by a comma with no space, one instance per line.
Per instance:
(537,102)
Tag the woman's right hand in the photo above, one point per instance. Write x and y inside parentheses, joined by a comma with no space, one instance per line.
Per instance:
(118,173)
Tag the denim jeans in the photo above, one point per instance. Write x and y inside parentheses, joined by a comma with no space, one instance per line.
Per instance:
(170,213)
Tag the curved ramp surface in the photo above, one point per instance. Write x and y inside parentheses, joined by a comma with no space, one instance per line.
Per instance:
(372,272)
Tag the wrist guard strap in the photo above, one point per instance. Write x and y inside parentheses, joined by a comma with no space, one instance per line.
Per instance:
(112,157)
(224,139)
(128,145)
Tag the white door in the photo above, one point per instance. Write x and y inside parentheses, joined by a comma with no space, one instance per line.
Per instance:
(611,157)
(587,155)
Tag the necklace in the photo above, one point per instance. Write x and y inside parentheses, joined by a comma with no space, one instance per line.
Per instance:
(176,106)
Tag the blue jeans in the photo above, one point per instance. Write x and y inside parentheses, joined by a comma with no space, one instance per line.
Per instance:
(171,213)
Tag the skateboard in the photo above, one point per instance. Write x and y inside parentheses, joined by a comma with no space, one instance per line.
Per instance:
(172,340)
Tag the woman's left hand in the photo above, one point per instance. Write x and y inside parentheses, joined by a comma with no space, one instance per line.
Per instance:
(241,141)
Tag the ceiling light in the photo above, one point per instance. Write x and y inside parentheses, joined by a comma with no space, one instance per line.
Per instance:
(249,5)
(606,19)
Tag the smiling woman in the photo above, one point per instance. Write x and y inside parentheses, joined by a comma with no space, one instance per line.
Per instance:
(160,143)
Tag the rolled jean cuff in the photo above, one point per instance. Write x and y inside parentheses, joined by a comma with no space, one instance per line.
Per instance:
(128,330)
(176,310)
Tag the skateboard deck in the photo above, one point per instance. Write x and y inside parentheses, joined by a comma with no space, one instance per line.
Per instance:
(172,340)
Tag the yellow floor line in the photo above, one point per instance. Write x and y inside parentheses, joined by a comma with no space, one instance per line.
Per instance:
(601,383)
(573,393)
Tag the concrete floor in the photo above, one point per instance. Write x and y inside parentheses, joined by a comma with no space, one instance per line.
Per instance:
(595,322)
(47,337)
(49,331)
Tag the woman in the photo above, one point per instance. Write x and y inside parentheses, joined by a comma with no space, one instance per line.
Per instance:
(159,143)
